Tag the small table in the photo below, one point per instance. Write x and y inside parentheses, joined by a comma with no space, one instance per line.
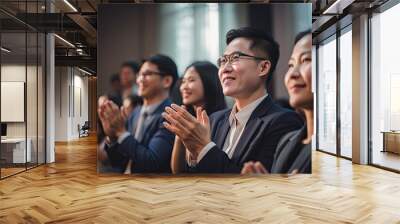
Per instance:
(391,141)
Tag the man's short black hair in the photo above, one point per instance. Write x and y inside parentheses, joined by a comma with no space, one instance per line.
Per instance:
(166,66)
(261,40)
(132,65)
(300,35)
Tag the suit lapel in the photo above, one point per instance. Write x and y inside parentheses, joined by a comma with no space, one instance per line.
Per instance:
(252,127)
(248,134)
(134,120)
(296,138)
(147,125)
(287,148)
(151,118)
(221,132)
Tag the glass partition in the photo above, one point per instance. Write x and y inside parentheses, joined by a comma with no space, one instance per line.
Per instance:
(22,63)
(14,153)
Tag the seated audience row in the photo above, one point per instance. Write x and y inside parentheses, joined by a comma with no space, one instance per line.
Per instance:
(202,136)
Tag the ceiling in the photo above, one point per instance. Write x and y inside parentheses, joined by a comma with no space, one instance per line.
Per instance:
(327,13)
(76,22)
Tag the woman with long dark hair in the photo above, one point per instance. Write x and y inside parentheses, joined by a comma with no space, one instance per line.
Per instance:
(200,87)
(293,153)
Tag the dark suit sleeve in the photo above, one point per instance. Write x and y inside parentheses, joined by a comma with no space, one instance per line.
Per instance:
(279,127)
(217,161)
(153,158)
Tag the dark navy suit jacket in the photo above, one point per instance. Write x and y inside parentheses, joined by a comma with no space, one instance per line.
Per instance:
(258,142)
(291,154)
(153,153)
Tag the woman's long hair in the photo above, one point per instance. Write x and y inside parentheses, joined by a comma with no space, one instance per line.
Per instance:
(214,98)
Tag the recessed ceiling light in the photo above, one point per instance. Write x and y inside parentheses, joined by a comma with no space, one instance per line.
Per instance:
(70,5)
(64,40)
(84,71)
(5,50)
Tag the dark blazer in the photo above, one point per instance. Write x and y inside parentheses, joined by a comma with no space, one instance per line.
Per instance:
(291,154)
(265,127)
(153,153)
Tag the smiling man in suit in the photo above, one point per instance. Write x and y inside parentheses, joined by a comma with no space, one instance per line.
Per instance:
(250,130)
(143,144)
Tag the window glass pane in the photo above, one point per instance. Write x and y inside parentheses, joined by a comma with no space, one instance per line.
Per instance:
(14,150)
(327,96)
(195,26)
(385,84)
(346,94)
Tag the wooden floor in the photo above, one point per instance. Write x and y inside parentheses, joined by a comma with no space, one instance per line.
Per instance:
(10,171)
(70,191)
(5,172)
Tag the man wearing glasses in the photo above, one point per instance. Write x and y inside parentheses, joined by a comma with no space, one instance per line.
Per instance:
(145,145)
(250,130)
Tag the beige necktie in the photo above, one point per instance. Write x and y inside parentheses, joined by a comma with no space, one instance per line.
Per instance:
(233,138)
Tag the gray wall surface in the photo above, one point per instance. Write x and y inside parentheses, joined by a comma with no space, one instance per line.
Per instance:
(134,32)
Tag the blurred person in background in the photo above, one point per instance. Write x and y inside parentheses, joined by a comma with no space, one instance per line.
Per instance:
(127,75)
(141,143)
(116,89)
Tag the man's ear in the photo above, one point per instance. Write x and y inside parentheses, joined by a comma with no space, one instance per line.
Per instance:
(264,68)
(167,82)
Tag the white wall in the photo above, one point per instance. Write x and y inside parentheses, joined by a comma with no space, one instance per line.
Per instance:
(61,103)
(16,73)
(71,94)
(80,100)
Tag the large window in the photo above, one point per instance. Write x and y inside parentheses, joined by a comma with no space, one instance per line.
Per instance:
(385,89)
(327,95)
(195,25)
(334,94)
(345,59)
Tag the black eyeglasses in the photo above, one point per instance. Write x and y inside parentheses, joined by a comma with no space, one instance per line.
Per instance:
(234,57)
(149,73)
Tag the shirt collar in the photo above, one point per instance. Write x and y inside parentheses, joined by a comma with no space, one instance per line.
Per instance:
(244,114)
(150,109)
